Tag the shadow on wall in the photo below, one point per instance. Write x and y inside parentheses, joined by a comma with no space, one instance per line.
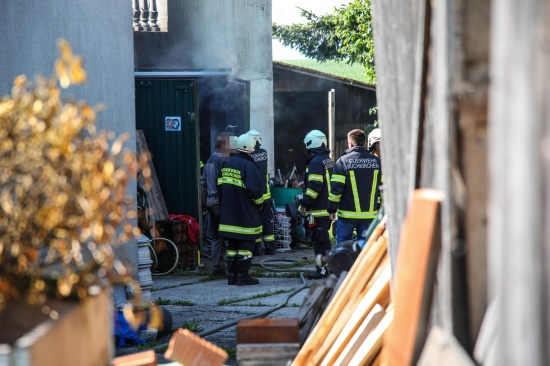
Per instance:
(295,114)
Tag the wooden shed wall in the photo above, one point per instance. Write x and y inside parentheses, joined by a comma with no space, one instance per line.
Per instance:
(469,116)
(352,101)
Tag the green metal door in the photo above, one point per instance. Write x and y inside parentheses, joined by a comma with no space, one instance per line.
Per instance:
(167,112)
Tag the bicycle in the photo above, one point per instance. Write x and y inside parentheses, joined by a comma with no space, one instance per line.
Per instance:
(170,256)
(166,250)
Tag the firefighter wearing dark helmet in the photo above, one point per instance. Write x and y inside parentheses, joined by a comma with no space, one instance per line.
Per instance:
(259,155)
(241,197)
(314,200)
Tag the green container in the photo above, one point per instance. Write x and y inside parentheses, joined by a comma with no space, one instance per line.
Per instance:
(282,196)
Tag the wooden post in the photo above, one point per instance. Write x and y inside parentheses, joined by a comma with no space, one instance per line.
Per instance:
(331,122)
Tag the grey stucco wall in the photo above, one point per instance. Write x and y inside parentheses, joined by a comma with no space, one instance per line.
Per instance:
(219,34)
(101,32)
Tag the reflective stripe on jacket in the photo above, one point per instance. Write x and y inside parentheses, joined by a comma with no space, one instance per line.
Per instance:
(317,184)
(355,185)
(241,192)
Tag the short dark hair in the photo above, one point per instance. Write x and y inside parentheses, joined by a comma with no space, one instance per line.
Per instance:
(357,137)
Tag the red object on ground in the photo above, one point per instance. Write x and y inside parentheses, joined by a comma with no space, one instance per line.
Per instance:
(192,226)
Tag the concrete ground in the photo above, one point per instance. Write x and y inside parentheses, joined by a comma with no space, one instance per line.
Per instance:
(202,302)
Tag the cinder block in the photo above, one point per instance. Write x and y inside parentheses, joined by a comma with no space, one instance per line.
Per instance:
(276,330)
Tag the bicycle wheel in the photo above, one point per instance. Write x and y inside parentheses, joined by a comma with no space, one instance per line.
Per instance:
(167,256)
(154,258)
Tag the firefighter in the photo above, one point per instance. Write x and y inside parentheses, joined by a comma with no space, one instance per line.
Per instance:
(259,156)
(241,198)
(354,191)
(313,204)
(374,142)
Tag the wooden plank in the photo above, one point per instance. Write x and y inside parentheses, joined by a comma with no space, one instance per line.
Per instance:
(267,351)
(343,320)
(414,277)
(356,342)
(353,284)
(271,330)
(156,199)
(379,293)
(373,344)
(442,348)
(82,336)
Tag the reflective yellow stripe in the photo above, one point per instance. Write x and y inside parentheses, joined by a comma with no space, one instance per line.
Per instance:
(269,237)
(260,200)
(310,192)
(334,197)
(373,190)
(240,229)
(354,190)
(245,253)
(338,178)
(230,253)
(315,177)
(266,196)
(357,215)
(227,180)
(259,240)
(327,175)
(319,213)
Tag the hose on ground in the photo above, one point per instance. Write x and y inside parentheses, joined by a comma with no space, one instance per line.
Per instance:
(259,315)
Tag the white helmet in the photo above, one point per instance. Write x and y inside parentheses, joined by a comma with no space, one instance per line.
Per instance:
(315,138)
(374,136)
(247,141)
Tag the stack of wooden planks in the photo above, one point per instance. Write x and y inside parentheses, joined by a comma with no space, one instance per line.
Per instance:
(365,324)
(352,327)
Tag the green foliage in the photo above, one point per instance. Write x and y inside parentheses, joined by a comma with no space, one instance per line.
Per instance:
(162,301)
(193,326)
(334,68)
(344,35)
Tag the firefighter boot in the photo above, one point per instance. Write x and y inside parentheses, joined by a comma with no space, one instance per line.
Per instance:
(269,248)
(243,266)
(231,271)
(319,273)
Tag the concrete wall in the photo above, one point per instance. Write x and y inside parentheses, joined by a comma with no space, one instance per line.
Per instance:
(101,32)
(218,34)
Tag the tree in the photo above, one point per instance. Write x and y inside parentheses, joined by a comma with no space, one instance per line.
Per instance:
(344,35)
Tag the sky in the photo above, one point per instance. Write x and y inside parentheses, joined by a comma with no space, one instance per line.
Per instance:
(287,12)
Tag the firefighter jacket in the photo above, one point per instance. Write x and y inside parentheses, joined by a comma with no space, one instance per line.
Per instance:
(241,196)
(259,156)
(317,183)
(355,185)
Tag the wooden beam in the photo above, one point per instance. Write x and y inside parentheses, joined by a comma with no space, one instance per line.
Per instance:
(356,342)
(414,277)
(373,344)
(354,283)
(156,199)
(379,293)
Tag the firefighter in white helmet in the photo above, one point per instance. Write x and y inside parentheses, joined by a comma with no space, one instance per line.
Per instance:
(313,203)
(241,197)
(374,142)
